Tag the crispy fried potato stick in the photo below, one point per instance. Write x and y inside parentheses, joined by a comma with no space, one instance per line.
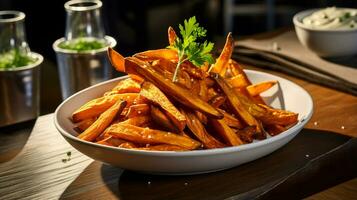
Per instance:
(200,132)
(154,94)
(118,62)
(136,121)
(162,147)
(236,104)
(157,54)
(104,120)
(231,121)
(126,86)
(172,36)
(110,141)
(161,119)
(178,93)
(97,106)
(247,134)
(128,145)
(274,129)
(150,136)
(138,110)
(227,133)
(256,89)
(83,125)
(220,66)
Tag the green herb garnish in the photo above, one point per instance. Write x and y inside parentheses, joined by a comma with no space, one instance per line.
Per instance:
(82,44)
(13,59)
(189,47)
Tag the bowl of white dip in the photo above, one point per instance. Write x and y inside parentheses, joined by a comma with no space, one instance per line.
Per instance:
(329,32)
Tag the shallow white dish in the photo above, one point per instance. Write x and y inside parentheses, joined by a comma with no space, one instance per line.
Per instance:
(291,95)
(325,43)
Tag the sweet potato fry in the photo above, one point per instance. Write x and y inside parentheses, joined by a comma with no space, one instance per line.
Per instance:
(104,120)
(118,62)
(227,133)
(217,101)
(200,132)
(181,95)
(161,119)
(138,110)
(247,134)
(83,125)
(274,129)
(222,60)
(128,145)
(125,86)
(110,141)
(97,106)
(157,54)
(162,147)
(236,104)
(237,81)
(154,94)
(231,121)
(150,136)
(136,121)
(270,115)
(256,89)
(172,36)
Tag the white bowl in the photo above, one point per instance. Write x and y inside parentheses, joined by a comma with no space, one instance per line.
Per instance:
(325,43)
(192,162)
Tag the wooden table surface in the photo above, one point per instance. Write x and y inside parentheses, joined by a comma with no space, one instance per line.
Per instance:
(321,156)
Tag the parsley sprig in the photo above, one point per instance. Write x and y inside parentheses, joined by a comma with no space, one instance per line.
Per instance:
(189,47)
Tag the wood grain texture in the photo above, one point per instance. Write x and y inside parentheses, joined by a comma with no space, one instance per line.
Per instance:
(38,172)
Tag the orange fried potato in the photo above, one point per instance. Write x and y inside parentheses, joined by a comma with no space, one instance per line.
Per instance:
(236,104)
(178,93)
(138,110)
(128,145)
(104,120)
(237,81)
(154,94)
(125,86)
(110,141)
(274,129)
(247,134)
(137,121)
(200,132)
(161,119)
(162,147)
(227,133)
(172,36)
(118,62)
(256,89)
(97,106)
(150,136)
(157,54)
(220,66)
(83,125)
(231,121)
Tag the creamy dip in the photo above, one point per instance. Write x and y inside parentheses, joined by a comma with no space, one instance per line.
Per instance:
(332,18)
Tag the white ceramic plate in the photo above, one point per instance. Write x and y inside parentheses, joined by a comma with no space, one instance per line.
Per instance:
(287,95)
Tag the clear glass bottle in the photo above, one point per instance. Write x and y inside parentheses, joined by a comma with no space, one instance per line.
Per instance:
(82,52)
(19,71)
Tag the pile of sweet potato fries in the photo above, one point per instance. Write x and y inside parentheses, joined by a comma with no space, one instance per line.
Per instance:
(211,106)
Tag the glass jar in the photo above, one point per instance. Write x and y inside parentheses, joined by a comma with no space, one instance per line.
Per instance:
(82,53)
(19,71)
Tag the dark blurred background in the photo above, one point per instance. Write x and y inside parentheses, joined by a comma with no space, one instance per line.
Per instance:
(142,24)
